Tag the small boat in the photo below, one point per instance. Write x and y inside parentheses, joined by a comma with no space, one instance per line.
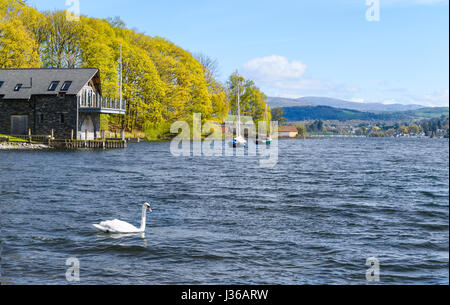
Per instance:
(265,139)
(239,140)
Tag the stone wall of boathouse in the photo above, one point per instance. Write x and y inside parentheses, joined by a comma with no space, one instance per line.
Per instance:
(44,113)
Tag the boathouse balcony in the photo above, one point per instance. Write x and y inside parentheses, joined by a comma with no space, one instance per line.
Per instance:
(95,103)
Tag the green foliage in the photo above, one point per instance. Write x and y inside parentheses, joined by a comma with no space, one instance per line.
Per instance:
(18,47)
(162,83)
(301,128)
(316,126)
(431,126)
(104,120)
(158,132)
(278,114)
(306,113)
(13,139)
(252,99)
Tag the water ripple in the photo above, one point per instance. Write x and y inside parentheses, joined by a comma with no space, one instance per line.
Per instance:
(314,219)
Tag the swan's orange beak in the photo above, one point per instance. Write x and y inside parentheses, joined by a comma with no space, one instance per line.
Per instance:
(149,209)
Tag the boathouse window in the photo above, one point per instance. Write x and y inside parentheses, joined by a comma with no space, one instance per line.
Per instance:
(61,118)
(17,87)
(66,86)
(53,86)
(1,84)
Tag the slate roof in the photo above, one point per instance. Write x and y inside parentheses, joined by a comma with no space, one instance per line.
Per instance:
(37,81)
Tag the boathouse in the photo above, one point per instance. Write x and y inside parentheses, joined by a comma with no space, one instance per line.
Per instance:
(65,102)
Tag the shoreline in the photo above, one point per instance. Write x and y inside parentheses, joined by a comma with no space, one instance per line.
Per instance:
(25,146)
(22,146)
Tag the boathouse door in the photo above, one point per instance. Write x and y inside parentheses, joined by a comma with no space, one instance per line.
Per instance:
(88,125)
(19,124)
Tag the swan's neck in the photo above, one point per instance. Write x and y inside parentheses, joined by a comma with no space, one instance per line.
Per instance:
(144,218)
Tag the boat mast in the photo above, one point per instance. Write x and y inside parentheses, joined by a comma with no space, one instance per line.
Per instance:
(120,77)
(238,131)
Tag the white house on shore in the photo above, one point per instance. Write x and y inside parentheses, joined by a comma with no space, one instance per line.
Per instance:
(288,131)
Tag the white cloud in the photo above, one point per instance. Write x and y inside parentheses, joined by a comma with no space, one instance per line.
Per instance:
(282,77)
(352,90)
(390,102)
(274,69)
(411,2)
(437,98)
(357,100)
(279,76)
(301,84)
(430,2)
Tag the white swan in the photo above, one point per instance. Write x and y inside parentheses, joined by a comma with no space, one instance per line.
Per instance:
(120,227)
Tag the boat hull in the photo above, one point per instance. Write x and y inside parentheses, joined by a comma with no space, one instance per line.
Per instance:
(265,141)
(238,143)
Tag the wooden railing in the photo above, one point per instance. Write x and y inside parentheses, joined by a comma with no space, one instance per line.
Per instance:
(102,141)
(95,101)
(99,143)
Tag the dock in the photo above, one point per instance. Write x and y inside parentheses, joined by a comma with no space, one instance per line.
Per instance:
(72,144)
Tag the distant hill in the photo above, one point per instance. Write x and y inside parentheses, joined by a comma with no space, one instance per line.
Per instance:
(337,103)
(428,113)
(306,113)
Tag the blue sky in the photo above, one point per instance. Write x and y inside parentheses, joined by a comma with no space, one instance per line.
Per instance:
(295,48)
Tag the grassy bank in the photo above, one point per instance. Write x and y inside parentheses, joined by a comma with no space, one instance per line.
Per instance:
(12,139)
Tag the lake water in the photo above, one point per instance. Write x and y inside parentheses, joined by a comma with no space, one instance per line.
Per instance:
(315,218)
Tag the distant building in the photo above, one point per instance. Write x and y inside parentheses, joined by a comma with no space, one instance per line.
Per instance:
(288,131)
(441,132)
(62,100)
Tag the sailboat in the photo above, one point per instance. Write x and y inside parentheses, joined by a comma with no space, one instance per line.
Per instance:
(265,139)
(239,140)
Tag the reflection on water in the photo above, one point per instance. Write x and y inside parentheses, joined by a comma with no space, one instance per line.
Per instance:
(120,235)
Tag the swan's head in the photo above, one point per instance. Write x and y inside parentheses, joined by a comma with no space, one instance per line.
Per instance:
(147,205)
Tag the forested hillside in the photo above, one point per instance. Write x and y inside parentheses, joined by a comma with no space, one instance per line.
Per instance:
(163,83)
(330,113)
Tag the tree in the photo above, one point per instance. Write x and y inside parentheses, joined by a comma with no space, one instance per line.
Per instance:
(211,66)
(316,126)
(61,48)
(116,22)
(403,129)
(278,115)
(301,130)
(220,103)
(216,90)
(364,130)
(17,48)
(162,83)
(143,89)
(320,126)
(187,89)
(252,99)
(414,129)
